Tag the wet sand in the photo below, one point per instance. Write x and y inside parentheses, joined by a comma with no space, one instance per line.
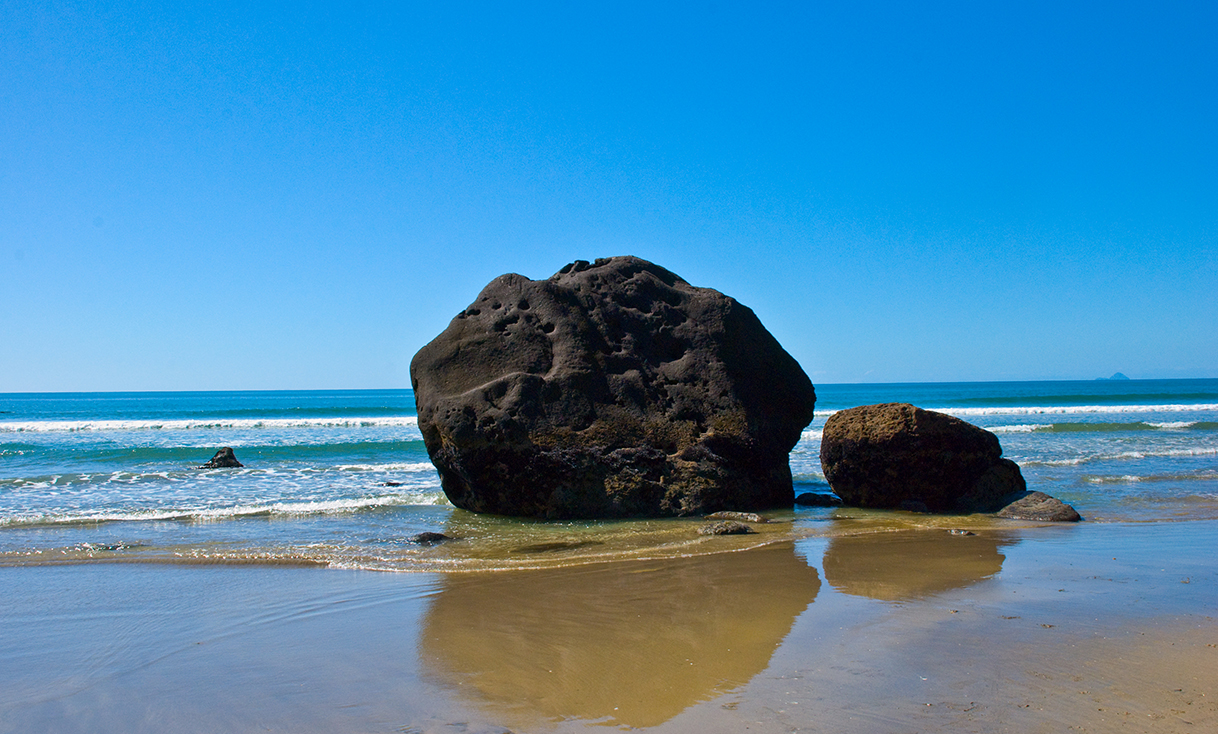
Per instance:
(1101,628)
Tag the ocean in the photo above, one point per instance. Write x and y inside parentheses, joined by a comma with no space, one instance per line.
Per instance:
(140,593)
(342,479)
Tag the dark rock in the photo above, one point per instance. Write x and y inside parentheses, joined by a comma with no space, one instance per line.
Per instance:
(393,484)
(1040,507)
(223,459)
(612,389)
(818,499)
(897,456)
(738,516)
(725,527)
(429,538)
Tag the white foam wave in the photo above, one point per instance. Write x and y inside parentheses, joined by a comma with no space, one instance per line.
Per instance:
(1079,409)
(317,507)
(1061,409)
(205,423)
(416,466)
(1174,425)
(1021,428)
(1124,455)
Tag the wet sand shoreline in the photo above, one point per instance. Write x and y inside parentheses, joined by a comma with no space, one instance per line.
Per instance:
(1086,628)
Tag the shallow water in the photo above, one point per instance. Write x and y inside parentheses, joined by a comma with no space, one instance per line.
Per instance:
(879,630)
(341,478)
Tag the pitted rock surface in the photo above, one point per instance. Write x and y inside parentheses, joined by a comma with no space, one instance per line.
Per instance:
(894,455)
(612,389)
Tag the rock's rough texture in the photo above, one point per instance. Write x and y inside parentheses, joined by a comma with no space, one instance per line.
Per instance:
(224,459)
(612,389)
(1040,507)
(737,516)
(725,527)
(895,455)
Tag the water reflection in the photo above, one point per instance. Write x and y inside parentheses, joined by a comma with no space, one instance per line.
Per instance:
(630,643)
(899,566)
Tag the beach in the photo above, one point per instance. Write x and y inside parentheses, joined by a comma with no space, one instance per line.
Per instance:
(1029,629)
(436,368)
(139,593)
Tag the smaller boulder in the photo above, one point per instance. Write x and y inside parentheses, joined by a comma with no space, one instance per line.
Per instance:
(224,459)
(1040,507)
(725,527)
(897,456)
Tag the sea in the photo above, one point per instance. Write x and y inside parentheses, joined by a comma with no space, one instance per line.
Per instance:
(341,478)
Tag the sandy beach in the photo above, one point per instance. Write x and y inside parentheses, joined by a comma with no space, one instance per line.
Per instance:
(1107,627)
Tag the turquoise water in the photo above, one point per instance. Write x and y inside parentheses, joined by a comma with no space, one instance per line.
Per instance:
(342,477)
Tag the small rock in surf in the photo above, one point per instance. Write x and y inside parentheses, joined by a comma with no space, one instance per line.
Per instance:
(224,459)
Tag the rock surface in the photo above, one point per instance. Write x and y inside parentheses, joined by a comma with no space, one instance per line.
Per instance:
(612,389)
(725,527)
(1040,507)
(895,455)
(737,516)
(818,499)
(429,538)
(224,459)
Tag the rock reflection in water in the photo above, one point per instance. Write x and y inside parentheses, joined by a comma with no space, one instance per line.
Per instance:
(630,643)
(908,565)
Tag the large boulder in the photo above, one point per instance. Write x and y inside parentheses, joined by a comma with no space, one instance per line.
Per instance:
(612,389)
(895,455)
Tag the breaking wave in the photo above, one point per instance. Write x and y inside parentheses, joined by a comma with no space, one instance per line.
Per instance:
(205,423)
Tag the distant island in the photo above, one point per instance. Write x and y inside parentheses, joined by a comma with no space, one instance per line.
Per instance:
(1117,376)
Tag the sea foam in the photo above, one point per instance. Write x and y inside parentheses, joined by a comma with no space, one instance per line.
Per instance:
(1079,409)
(274,509)
(204,423)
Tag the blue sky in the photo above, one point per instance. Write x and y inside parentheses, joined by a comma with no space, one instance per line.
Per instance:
(247,196)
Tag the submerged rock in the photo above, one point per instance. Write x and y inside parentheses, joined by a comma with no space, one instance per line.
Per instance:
(224,459)
(895,455)
(429,538)
(725,527)
(818,499)
(1040,507)
(737,516)
(612,389)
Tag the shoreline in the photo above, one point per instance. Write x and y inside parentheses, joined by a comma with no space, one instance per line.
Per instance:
(1101,627)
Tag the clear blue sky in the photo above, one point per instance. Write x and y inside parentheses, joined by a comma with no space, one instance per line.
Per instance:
(246,196)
